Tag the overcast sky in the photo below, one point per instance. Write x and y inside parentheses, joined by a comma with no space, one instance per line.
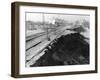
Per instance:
(50,17)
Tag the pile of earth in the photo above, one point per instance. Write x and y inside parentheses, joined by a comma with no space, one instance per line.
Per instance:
(71,49)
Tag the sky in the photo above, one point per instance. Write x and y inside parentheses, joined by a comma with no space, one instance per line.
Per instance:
(50,17)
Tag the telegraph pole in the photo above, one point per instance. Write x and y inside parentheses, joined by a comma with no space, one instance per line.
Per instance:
(46,28)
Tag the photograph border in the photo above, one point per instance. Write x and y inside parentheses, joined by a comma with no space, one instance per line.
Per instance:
(15,32)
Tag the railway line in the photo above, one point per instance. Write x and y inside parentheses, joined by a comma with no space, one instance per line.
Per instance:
(37,44)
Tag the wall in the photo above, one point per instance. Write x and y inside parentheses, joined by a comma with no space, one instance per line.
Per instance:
(5,40)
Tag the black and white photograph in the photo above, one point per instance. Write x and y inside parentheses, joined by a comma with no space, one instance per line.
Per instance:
(55,39)
(52,39)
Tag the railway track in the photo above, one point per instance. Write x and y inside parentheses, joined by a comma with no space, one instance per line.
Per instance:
(33,43)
